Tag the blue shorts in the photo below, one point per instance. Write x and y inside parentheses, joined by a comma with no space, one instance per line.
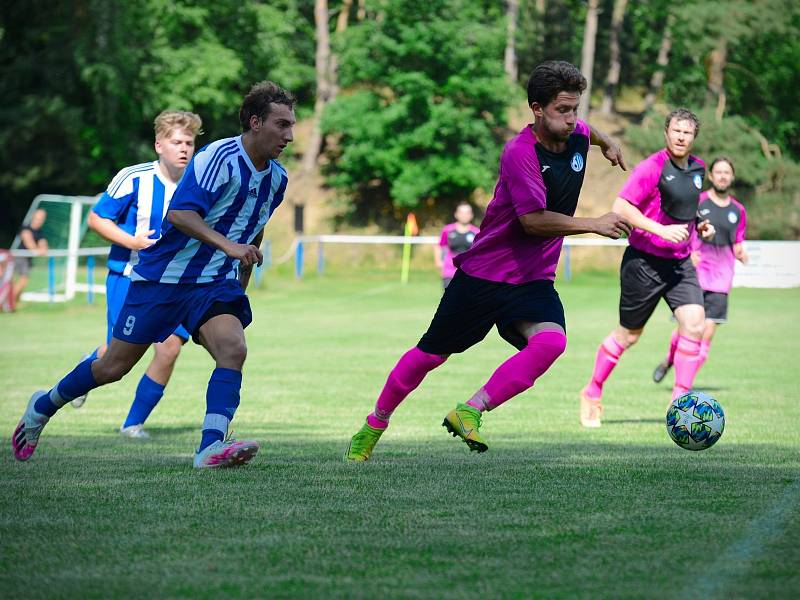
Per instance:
(153,311)
(116,290)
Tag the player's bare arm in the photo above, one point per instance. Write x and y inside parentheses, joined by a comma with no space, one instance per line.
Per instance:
(545,223)
(193,225)
(671,233)
(113,233)
(30,243)
(608,147)
(437,256)
(740,253)
(245,272)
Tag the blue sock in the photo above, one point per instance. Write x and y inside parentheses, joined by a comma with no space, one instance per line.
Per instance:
(78,382)
(222,399)
(148,393)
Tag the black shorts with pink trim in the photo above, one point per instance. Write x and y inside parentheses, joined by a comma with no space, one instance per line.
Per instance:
(471,306)
(645,279)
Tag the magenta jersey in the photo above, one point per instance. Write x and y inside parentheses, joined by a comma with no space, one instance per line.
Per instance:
(668,195)
(454,243)
(531,179)
(715,269)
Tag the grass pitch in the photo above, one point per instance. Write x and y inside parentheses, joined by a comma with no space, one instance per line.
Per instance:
(550,511)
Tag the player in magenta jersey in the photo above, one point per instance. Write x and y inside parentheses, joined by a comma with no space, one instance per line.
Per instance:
(456,238)
(506,278)
(714,259)
(660,199)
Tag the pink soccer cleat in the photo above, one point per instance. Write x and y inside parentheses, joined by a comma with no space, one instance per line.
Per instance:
(230,453)
(26,435)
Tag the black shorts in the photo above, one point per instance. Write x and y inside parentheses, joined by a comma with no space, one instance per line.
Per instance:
(716,304)
(22,266)
(645,279)
(470,307)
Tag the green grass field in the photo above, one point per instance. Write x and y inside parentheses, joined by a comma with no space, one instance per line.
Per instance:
(551,511)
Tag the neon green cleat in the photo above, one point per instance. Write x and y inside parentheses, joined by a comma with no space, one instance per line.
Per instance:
(362,443)
(465,422)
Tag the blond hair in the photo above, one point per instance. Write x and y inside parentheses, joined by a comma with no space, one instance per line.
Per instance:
(169,120)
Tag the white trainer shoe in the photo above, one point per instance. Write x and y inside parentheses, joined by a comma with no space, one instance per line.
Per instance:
(134,431)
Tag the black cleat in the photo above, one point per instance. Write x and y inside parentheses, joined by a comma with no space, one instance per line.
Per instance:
(660,372)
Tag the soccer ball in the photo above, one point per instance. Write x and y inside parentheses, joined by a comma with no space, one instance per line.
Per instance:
(695,421)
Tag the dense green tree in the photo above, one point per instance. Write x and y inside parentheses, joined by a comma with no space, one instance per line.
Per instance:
(421,116)
(82,81)
(422,111)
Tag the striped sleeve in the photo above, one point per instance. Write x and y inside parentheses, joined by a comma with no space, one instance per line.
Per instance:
(121,192)
(204,180)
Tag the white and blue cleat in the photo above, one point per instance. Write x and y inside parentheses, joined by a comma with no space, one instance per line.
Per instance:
(26,435)
(230,453)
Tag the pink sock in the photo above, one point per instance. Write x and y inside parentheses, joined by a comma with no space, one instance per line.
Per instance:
(520,371)
(407,374)
(607,358)
(673,344)
(705,346)
(687,363)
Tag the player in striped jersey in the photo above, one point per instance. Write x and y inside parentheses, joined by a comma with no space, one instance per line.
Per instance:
(195,275)
(129,215)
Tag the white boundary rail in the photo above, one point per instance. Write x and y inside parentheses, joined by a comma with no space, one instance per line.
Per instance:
(297,248)
(773,264)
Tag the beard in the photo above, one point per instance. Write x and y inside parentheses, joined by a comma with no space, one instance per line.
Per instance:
(721,191)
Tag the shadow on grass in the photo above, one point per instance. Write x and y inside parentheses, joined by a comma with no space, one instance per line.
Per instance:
(423,458)
(624,421)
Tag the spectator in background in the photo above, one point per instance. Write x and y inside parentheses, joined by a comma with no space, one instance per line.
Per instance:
(30,238)
(456,238)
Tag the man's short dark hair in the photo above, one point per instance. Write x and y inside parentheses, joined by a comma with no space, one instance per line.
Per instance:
(552,77)
(683,114)
(258,99)
(720,159)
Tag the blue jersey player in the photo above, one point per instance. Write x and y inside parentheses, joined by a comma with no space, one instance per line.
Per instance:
(195,275)
(129,215)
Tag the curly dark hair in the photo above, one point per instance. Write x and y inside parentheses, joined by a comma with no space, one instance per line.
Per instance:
(552,77)
(258,99)
(683,114)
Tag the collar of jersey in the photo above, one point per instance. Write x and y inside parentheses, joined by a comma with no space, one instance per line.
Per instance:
(248,162)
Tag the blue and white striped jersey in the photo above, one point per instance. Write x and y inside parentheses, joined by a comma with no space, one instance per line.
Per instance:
(234,199)
(136,200)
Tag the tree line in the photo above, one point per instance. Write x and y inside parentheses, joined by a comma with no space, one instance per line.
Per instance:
(408,98)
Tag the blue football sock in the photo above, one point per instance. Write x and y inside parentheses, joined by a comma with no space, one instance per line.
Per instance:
(78,382)
(222,399)
(148,393)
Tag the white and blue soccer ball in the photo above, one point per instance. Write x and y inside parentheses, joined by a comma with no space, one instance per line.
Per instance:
(695,421)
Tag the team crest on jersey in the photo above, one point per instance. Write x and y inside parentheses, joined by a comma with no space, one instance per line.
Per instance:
(577,162)
(698,181)
(263,212)
(732,217)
